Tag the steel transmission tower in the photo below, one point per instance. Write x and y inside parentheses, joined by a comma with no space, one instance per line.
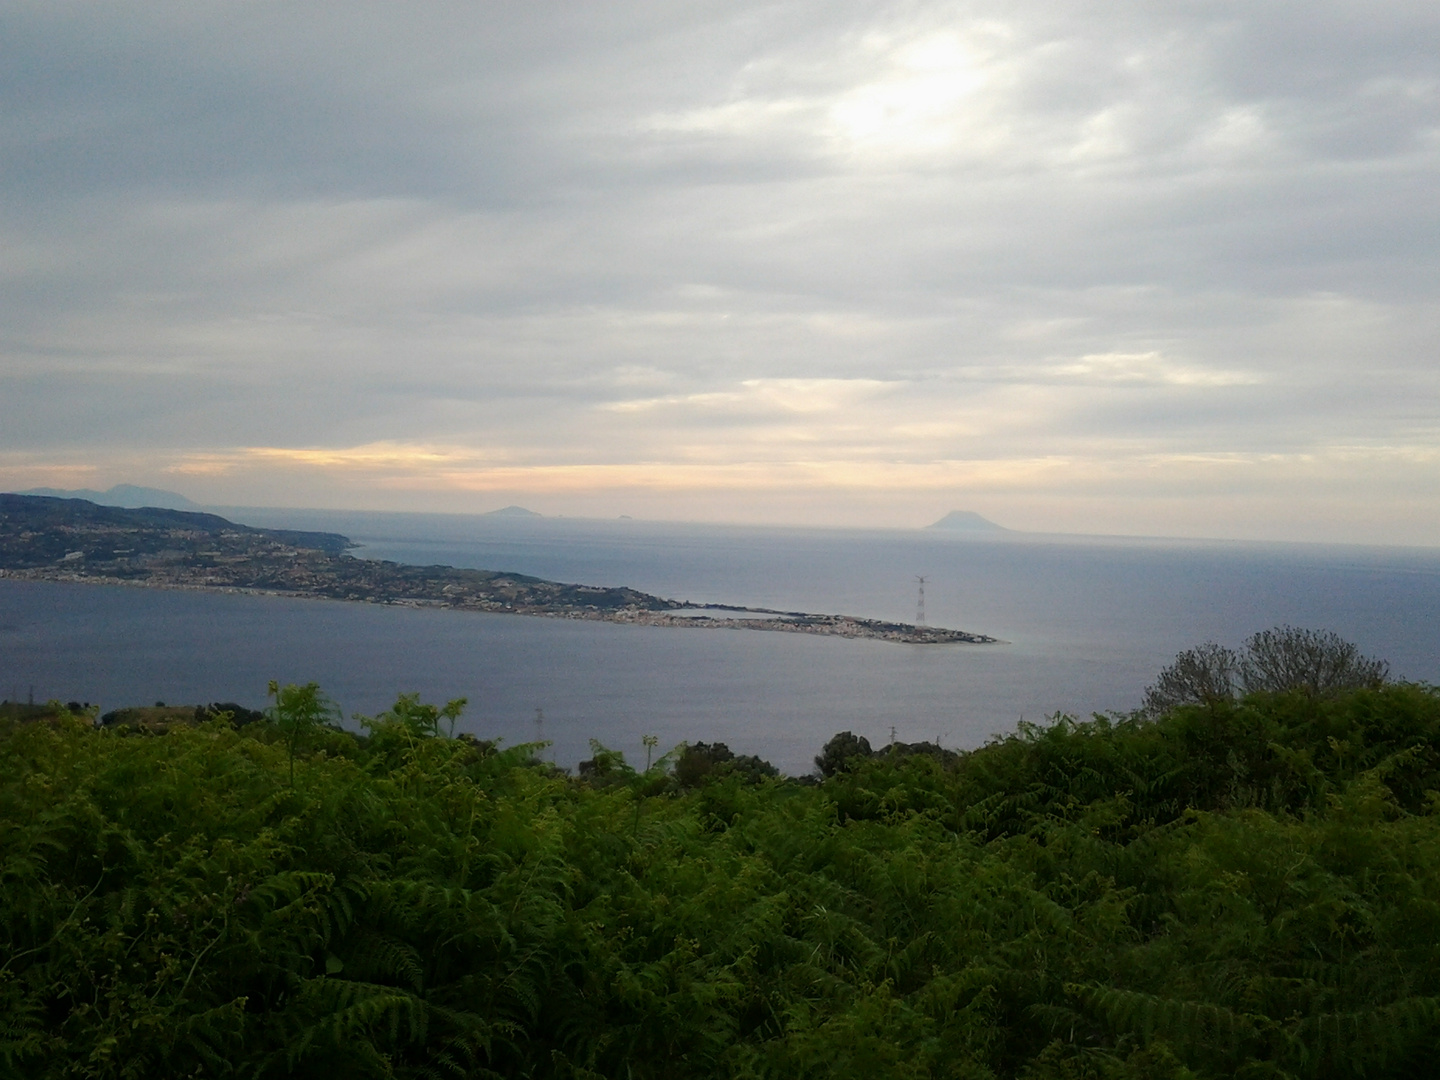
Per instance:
(920,602)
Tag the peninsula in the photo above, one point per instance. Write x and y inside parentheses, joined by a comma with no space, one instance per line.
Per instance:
(53,539)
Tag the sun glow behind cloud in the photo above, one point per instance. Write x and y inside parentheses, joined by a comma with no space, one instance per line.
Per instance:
(917,106)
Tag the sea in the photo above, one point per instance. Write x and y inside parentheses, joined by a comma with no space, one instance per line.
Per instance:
(1085,625)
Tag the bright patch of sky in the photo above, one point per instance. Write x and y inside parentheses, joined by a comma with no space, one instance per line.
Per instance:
(1120,267)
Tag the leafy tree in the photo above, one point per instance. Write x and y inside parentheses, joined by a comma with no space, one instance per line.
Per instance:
(700,763)
(841,752)
(698,760)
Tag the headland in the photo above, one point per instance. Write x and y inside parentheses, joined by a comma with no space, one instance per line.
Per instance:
(73,540)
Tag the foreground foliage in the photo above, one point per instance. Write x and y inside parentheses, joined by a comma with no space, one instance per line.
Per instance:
(1245,888)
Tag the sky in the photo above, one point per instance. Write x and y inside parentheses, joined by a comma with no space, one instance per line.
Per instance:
(1155,268)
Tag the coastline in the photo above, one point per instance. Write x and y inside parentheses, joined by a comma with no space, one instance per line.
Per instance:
(78,542)
(844,626)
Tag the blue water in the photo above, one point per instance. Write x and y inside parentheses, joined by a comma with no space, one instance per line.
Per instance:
(1087,623)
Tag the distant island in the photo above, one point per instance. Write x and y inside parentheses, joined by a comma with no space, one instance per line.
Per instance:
(43,538)
(512,512)
(967,521)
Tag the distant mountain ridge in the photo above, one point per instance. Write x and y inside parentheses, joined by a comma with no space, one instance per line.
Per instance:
(967,521)
(52,516)
(128,496)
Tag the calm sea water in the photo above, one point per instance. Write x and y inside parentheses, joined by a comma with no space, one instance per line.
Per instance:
(1087,624)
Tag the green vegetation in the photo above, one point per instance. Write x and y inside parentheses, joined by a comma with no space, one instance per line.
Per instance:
(1248,886)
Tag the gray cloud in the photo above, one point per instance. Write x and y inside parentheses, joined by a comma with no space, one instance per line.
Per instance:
(884,258)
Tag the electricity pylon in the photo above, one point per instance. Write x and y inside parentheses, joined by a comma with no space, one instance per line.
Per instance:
(920,602)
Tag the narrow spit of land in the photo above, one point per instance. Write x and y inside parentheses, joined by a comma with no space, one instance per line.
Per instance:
(50,539)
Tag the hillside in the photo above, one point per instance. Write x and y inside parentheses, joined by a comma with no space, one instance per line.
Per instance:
(36,530)
(127,495)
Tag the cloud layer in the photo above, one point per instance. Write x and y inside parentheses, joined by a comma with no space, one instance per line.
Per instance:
(1131,267)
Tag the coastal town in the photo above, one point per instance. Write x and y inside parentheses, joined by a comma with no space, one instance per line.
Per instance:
(73,540)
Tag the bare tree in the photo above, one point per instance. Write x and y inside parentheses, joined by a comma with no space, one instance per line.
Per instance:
(1316,661)
(1203,675)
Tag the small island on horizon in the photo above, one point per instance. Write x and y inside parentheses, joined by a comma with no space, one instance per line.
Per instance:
(967,521)
(44,538)
(511,512)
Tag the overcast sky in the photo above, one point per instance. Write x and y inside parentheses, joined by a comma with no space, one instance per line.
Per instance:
(1128,267)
